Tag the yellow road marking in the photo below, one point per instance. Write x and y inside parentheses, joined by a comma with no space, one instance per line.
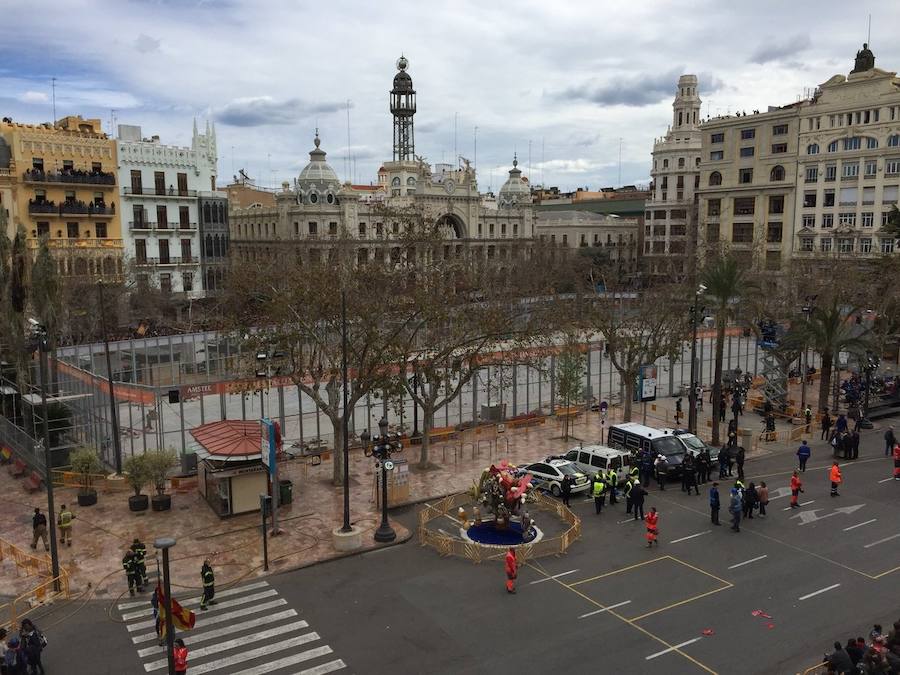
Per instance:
(620,570)
(682,602)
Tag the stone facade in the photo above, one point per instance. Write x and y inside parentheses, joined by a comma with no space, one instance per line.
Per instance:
(607,237)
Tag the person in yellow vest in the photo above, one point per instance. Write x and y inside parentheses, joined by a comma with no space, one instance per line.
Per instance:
(599,492)
(612,482)
(64,521)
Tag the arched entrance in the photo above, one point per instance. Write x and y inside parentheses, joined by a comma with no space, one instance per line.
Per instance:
(451,226)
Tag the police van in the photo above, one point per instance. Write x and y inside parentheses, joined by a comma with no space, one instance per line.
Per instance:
(593,458)
(635,438)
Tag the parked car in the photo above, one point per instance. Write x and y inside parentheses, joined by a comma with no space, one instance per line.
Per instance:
(693,444)
(593,458)
(549,475)
(636,438)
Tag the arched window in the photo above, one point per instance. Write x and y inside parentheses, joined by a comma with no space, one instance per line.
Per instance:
(395,182)
(812,149)
(777,173)
(209,246)
(894,141)
(833,146)
(329,198)
(221,213)
(207,217)
(313,198)
(697,163)
(715,178)
(871,143)
(665,164)
(681,162)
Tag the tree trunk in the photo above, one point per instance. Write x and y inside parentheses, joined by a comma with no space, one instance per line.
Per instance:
(427,425)
(824,380)
(629,394)
(337,478)
(717,382)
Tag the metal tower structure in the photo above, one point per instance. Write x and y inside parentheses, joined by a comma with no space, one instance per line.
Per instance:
(774,367)
(403,108)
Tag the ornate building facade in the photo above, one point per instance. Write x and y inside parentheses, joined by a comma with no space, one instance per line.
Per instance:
(317,208)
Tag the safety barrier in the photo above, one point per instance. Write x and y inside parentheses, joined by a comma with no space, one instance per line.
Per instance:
(11,613)
(447,545)
(24,561)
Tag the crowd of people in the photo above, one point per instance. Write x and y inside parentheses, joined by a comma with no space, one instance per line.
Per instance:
(879,655)
(21,653)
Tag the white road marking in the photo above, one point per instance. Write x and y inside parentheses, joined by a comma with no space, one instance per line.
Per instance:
(555,576)
(329,667)
(672,648)
(821,590)
(298,658)
(811,501)
(853,527)
(251,654)
(747,562)
(690,536)
(193,601)
(605,609)
(881,541)
(213,608)
(220,618)
(627,520)
(886,480)
(778,493)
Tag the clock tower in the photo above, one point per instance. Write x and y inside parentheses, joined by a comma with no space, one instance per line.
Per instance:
(403,108)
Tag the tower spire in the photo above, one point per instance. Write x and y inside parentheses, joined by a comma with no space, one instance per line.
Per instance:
(403,108)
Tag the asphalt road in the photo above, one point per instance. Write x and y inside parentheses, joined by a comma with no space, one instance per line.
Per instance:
(823,572)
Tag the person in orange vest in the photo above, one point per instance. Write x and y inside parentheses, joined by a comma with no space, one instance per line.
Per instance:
(652,521)
(181,655)
(511,571)
(796,489)
(897,461)
(835,476)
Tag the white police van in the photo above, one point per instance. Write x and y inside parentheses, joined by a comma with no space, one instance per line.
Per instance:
(594,458)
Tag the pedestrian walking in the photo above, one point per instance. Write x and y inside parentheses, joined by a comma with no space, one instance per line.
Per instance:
(181,657)
(703,462)
(129,564)
(599,492)
(629,488)
(612,484)
(826,425)
(734,508)
(840,425)
(889,440)
(714,504)
(64,522)
(39,529)
(803,454)
(723,408)
(723,462)
(646,467)
(739,457)
(652,523)
(511,570)
(736,407)
(690,477)
(33,643)
(140,555)
(897,461)
(854,444)
(566,489)
(796,489)
(750,501)
(687,467)
(208,577)
(637,500)
(836,478)
(662,471)
(762,494)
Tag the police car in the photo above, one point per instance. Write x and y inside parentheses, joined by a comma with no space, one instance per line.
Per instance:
(549,475)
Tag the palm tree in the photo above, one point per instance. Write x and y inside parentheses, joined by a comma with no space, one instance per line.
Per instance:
(830,331)
(725,283)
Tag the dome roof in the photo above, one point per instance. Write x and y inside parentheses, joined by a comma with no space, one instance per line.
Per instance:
(317,173)
(515,190)
(402,80)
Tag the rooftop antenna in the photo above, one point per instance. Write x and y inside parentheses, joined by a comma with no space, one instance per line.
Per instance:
(53,94)
(869,32)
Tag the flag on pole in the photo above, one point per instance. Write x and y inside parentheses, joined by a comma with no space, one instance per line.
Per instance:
(182,619)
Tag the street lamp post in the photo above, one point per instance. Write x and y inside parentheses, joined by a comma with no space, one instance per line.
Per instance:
(346,449)
(113,409)
(692,394)
(807,310)
(48,466)
(382,450)
(165,543)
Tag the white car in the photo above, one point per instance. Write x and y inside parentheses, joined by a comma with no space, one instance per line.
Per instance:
(590,459)
(549,475)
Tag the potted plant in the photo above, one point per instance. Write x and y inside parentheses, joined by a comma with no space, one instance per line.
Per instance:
(86,463)
(160,462)
(137,470)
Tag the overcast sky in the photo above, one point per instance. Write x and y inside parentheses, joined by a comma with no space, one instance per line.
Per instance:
(570,78)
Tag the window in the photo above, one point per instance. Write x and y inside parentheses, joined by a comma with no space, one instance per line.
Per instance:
(742,233)
(665,182)
(809,200)
(165,283)
(747,152)
(773,233)
(892,167)
(717,138)
(43,229)
(182,185)
(829,198)
(868,219)
(868,195)
(162,217)
(780,130)
(100,230)
(72,230)
(490,229)
(713,207)
(139,215)
(845,245)
(871,168)
(812,149)
(890,194)
(849,170)
(659,215)
(313,229)
(332,229)
(159,182)
(379,229)
(806,244)
(136,187)
(852,143)
(777,173)
(865,245)
(831,172)
(187,281)
(825,245)
(362,230)
(186,250)
(678,214)
(849,196)
(164,251)
(809,220)
(565,240)
(747,134)
(893,141)
(827,220)
(848,219)
(887,245)
(184,217)
(776,204)
(140,250)
(712,232)
(745,176)
(681,162)
(395,228)
(744,206)
(665,164)
(871,143)
(779,148)
(812,174)
(833,146)
(313,198)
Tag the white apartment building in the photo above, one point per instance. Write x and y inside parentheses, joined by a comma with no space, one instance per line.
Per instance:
(161,186)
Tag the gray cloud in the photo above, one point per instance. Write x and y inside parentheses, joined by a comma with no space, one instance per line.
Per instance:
(146,44)
(774,49)
(257,111)
(637,90)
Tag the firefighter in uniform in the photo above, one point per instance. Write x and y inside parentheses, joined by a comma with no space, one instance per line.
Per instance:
(599,492)
(209,585)
(612,481)
(628,485)
(129,564)
(140,554)
(64,521)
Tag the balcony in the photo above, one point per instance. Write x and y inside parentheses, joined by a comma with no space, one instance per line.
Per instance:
(70,177)
(166,262)
(79,244)
(76,208)
(172,192)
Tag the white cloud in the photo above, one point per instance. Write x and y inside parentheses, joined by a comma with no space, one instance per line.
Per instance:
(34,97)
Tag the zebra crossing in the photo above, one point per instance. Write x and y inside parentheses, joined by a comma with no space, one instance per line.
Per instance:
(251,631)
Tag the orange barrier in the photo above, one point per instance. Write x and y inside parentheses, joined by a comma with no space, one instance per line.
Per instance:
(11,612)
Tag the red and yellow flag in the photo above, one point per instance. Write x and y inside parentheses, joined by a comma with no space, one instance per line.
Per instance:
(182,618)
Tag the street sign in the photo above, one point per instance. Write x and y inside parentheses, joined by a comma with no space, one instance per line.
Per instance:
(645,386)
(268,445)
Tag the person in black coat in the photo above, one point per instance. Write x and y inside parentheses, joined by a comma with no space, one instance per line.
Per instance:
(739,457)
(637,500)
(751,498)
(854,445)
(566,489)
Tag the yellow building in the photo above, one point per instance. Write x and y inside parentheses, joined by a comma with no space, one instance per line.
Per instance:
(61,182)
